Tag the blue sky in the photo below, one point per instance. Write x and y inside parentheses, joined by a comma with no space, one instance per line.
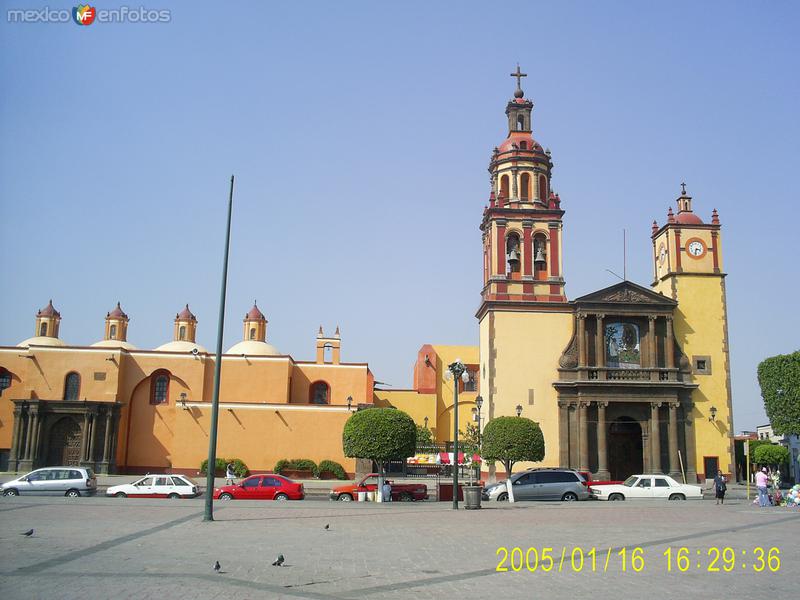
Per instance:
(360,134)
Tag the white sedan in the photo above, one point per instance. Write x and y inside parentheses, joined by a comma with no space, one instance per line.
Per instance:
(648,486)
(156,486)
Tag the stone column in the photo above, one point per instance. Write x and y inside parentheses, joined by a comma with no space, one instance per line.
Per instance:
(563,433)
(37,425)
(655,438)
(15,452)
(599,342)
(85,436)
(581,340)
(92,432)
(107,440)
(669,346)
(514,186)
(652,342)
(527,248)
(602,446)
(583,428)
(689,429)
(28,436)
(674,461)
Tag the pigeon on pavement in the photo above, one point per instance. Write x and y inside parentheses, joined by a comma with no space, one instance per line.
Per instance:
(327,526)
(217,566)
(28,533)
(278,562)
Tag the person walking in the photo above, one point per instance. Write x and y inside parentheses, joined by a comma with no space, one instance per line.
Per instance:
(761,486)
(720,487)
(230,476)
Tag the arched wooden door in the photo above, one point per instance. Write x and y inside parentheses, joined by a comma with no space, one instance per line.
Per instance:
(64,446)
(625,448)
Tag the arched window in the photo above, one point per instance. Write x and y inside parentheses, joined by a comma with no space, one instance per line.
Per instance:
(182,332)
(504,186)
(513,255)
(72,386)
(5,380)
(159,387)
(520,122)
(43,329)
(318,393)
(252,333)
(112,332)
(525,186)
(540,256)
(543,195)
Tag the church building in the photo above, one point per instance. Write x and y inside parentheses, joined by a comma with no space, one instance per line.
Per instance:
(624,380)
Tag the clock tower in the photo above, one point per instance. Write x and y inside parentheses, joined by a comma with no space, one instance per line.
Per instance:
(687,267)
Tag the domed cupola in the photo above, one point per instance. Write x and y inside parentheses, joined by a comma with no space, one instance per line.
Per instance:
(685,215)
(116,330)
(48,320)
(254,342)
(520,167)
(183,339)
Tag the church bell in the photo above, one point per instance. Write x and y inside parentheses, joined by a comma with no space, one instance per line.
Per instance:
(513,256)
(539,256)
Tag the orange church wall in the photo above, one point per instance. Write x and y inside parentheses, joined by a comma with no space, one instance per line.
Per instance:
(343,381)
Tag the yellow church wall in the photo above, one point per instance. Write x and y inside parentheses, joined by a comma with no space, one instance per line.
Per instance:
(415,404)
(262,436)
(526,350)
(342,380)
(446,355)
(700,331)
(17,366)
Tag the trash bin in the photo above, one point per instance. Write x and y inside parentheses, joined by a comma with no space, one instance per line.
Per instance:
(472,497)
(362,496)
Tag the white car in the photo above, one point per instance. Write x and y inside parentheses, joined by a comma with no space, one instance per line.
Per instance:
(156,486)
(648,486)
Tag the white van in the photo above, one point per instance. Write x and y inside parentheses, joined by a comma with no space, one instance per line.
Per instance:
(53,481)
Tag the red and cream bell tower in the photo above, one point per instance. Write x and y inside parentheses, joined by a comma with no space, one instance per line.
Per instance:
(522,224)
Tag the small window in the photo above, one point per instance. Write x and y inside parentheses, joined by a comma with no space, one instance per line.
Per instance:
(182,332)
(525,186)
(319,393)
(112,332)
(159,387)
(520,122)
(5,380)
(251,483)
(504,186)
(252,333)
(72,386)
(523,145)
(43,329)
(270,482)
(661,482)
(644,483)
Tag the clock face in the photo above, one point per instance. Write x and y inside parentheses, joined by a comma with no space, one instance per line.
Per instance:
(696,248)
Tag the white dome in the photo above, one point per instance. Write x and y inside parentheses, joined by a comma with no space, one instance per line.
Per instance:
(181,346)
(254,348)
(41,340)
(114,344)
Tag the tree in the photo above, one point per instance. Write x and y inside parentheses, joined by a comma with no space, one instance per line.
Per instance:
(424,436)
(512,439)
(379,434)
(779,378)
(469,441)
(771,454)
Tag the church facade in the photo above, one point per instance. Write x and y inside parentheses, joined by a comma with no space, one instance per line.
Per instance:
(623,380)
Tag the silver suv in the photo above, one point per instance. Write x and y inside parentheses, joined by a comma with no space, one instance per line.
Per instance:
(541,484)
(53,481)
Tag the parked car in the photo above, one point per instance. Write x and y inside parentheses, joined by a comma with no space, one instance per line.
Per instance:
(262,487)
(541,484)
(652,486)
(156,486)
(403,492)
(53,481)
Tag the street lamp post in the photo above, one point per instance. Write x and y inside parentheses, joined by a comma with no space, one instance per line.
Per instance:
(457,371)
(478,405)
(519,410)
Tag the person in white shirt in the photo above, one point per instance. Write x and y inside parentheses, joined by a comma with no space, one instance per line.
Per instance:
(387,491)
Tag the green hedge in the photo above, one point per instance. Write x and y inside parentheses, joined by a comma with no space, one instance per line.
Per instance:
(296,464)
(239,467)
(330,466)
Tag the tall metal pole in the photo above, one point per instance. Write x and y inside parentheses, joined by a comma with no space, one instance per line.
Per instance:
(212,441)
(456,380)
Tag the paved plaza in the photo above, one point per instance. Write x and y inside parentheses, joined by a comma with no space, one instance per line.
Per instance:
(126,548)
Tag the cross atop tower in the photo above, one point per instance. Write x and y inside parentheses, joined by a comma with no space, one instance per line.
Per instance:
(683,189)
(519,75)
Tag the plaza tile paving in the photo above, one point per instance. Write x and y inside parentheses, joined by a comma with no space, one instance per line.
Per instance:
(126,548)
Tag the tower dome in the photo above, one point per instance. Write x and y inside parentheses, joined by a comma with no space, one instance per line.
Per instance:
(184,334)
(48,320)
(116,330)
(254,341)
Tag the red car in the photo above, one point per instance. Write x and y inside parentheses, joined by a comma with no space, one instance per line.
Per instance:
(261,487)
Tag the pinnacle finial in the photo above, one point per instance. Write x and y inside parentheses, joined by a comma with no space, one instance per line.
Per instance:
(519,75)
(683,189)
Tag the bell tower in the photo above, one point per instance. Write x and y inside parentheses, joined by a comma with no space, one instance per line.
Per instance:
(522,224)
(687,267)
(525,321)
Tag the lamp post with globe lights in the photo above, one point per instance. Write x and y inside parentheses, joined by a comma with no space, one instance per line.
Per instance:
(456,371)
